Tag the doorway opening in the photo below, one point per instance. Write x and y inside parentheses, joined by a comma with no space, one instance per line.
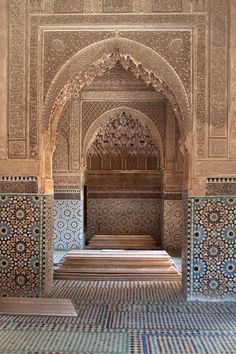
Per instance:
(118,169)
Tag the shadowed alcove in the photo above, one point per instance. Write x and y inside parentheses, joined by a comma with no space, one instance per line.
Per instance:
(120,138)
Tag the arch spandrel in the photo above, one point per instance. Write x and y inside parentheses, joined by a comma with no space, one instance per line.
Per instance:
(91,62)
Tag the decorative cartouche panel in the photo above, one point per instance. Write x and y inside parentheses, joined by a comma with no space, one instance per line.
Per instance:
(211,248)
(123,144)
(68,224)
(26,245)
(124,216)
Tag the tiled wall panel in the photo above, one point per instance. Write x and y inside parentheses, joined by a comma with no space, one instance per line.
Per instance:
(212,248)
(124,216)
(68,224)
(26,245)
(172,226)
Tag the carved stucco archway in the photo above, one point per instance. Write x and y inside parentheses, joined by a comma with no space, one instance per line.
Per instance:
(111,114)
(93,61)
(81,69)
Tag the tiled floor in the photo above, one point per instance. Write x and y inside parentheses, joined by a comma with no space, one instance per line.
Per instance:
(124,317)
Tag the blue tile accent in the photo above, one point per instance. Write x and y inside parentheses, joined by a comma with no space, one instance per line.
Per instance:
(212,248)
(68,225)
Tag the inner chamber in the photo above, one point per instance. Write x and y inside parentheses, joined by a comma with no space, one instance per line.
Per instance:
(117,166)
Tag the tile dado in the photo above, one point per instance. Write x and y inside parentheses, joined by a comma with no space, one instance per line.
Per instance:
(172,225)
(124,216)
(68,224)
(212,248)
(26,245)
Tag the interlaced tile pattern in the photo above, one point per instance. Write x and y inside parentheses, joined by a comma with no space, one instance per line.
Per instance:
(125,318)
(211,248)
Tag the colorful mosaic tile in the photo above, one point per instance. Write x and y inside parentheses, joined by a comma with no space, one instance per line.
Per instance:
(68,225)
(124,318)
(25,235)
(124,216)
(47,245)
(212,248)
(172,226)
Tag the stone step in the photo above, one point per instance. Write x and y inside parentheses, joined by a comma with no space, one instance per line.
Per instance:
(117,277)
(169,270)
(118,253)
(120,236)
(122,246)
(115,262)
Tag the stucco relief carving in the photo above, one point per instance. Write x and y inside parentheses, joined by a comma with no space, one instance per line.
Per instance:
(221,189)
(218,70)
(217,26)
(110,6)
(17,149)
(124,138)
(65,6)
(61,154)
(18,184)
(75,134)
(108,116)
(106,63)
(176,45)
(117,5)
(118,78)
(167,6)
(93,110)
(201,94)
(158,40)
(58,45)
(200,5)
(17,77)
(36,5)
